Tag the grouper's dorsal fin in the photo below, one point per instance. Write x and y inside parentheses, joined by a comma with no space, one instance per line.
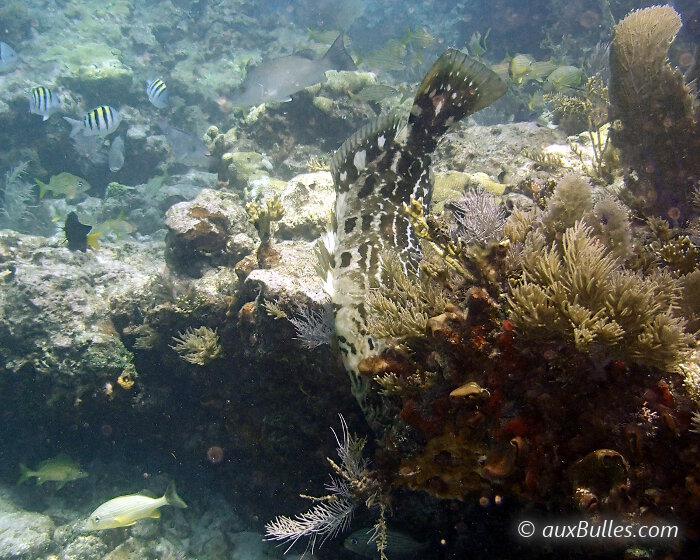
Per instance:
(455,87)
(365,146)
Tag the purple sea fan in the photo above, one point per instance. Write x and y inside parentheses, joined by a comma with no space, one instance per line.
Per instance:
(479,216)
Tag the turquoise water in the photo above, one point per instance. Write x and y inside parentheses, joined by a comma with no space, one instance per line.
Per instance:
(516,345)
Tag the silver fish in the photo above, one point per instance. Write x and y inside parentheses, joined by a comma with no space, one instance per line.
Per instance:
(188,149)
(157,93)
(399,545)
(8,57)
(115,157)
(100,121)
(375,172)
(44,102)
(276,80)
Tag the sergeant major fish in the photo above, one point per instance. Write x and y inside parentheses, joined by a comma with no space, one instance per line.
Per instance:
(8,57)
(124,511)
(44,102)
(100,121)
(375,172)
(157,93)
(277,79)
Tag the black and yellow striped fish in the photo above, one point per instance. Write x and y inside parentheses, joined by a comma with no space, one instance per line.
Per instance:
(157,93)
(42,101)
(100,121)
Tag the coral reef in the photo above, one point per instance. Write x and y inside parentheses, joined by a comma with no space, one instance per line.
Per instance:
(659,131)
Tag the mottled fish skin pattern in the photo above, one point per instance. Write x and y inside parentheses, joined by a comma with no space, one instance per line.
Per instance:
(376,171)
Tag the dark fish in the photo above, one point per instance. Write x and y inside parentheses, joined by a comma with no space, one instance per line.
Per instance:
(375,172)
(277,79)
(77,233)
(188,149)
(399,545)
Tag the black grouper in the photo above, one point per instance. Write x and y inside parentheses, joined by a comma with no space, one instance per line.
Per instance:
(376,171)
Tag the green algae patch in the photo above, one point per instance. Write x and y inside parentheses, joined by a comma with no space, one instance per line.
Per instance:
(93,69)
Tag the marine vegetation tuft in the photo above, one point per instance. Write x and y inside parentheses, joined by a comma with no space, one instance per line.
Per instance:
(15,197)
(404,304)
(570,201)
(197,346)
(479,216)
(352,485)
(576,291)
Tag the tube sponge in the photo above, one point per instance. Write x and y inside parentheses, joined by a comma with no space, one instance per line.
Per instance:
(658,134)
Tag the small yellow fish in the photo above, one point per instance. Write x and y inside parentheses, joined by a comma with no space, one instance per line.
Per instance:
(66,184)
(519,67)
(60,468)
(524,68)
(116,227)
(127,510)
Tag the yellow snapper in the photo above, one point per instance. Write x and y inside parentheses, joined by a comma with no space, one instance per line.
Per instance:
(127,510)
(64,183)
(60,468)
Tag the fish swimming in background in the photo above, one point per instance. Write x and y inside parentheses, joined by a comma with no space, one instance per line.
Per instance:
(564,77)
(114,227)
(100,121)
(373,93)
(8,57)
(399,545)
(157,93)
(523,68)
(78,235)
(124,511)
(276,80)
(64,183)
(60,468)
(44,102)
(376,171)
(187,148)
(115,157)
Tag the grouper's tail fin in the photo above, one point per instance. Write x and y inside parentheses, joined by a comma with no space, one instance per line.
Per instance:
(455,87)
